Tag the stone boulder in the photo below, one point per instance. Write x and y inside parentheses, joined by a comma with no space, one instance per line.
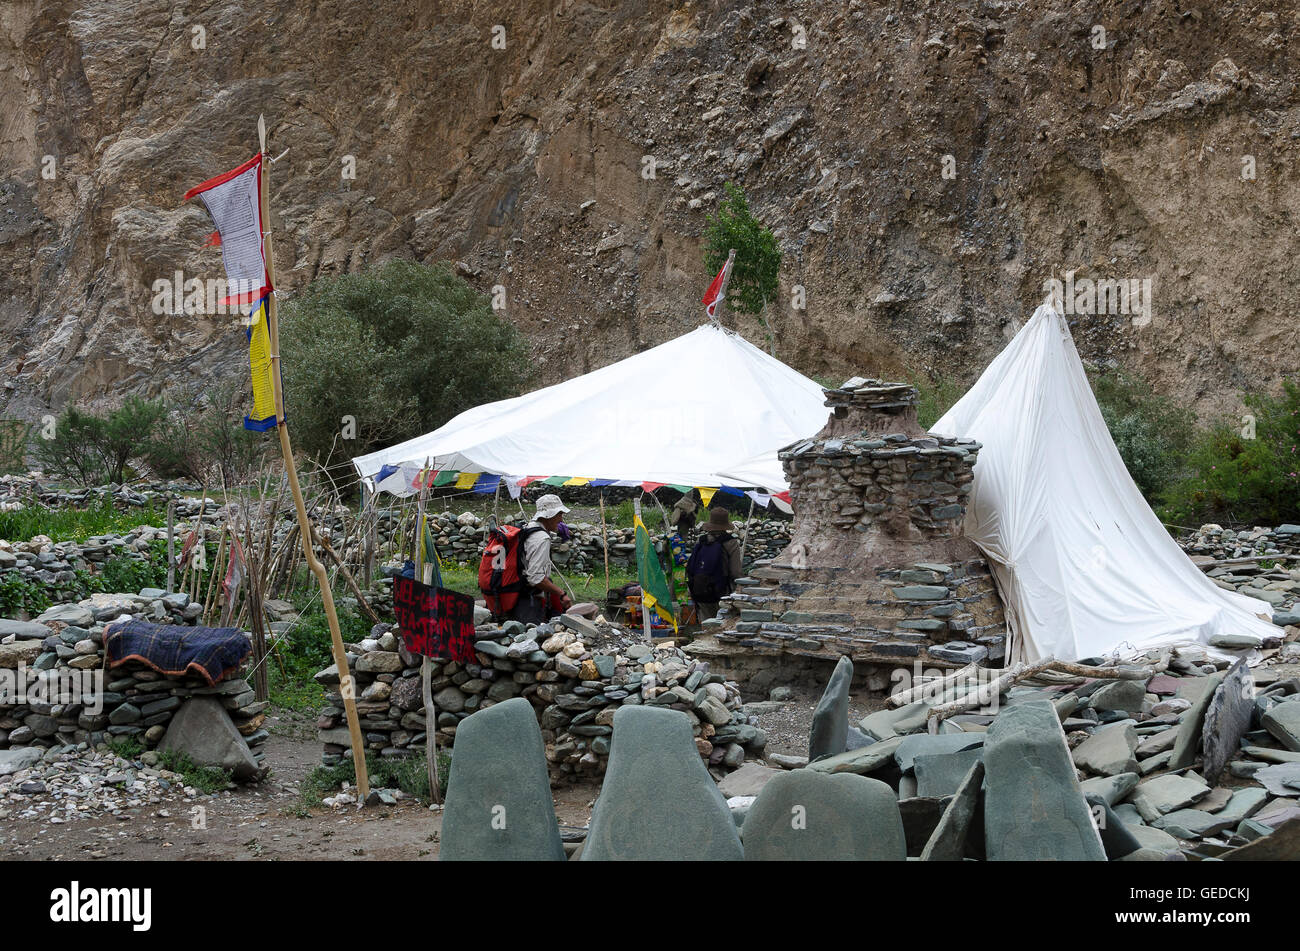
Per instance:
(498,795)
(810,816)
(658,802)
(203,730)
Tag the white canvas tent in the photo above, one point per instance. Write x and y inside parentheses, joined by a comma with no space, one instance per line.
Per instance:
(1084,566)
(675,414)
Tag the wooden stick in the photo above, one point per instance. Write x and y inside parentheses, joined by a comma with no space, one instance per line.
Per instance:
(347,686)
(984,695)
(430,727)
(347,576)
(932,688)
(171,545)
(604,537)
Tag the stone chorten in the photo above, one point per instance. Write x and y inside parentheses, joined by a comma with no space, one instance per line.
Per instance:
(877,567)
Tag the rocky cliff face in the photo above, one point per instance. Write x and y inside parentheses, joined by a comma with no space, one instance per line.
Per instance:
(926,164)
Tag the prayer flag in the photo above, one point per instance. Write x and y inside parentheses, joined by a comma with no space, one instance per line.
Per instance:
(714,294)
(234,202)
(650,575)
(259,361)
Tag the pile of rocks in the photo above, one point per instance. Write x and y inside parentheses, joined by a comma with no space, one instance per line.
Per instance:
(63,785)
(574,672)
(1200,758)
(1270,575)
(57,694)
(20,491)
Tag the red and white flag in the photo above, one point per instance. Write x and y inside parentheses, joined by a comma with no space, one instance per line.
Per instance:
(234,200)
(714,294)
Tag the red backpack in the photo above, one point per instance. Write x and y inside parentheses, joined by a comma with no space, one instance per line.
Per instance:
(501,570)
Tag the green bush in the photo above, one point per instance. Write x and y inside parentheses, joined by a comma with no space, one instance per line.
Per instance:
(400,349)
(934,397)
(1239,480)
(1152,433)
(92,449)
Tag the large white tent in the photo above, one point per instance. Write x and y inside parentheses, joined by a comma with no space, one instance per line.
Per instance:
(676,414)
(1084,566)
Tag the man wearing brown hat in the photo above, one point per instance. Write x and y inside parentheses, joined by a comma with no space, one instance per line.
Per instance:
(714,565)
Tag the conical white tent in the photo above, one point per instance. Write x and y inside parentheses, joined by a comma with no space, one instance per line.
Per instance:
(675,414)
(1084,566)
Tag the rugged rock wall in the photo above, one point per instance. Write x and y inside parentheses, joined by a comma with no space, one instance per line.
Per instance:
(1119,152)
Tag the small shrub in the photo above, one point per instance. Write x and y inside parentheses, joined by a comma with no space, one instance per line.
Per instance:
(1238,480)
(92,449)
(206,779)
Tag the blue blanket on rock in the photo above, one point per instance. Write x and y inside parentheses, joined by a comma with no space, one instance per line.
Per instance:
(176,649)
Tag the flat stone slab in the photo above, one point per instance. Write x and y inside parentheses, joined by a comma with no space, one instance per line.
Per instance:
(1281,780)
(860,761)
(1192,724)
(809,816)
(1193,823)
(941,774)
(882,724)
(499,805)
(1282,720)
(1111,789)
(830,721)
(1116,837)
(948,841)
(1227,720)
(1033,807)
(1283,845)
(658,801)
(923,744)
(73,614)
(23,630)
(1110,750)
(749,780)
(1125,695)
(1164,794)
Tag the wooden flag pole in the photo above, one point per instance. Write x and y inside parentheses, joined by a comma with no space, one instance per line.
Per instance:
(346,684)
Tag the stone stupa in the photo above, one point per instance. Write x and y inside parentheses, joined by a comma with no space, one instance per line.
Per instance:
(877,568)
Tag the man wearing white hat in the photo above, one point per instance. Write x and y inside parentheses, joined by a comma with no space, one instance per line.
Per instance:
(543,596)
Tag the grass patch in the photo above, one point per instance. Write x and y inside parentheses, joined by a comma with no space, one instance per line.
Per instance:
(127,747)
(304,651)
(409,774)
(73,524)
(206,779)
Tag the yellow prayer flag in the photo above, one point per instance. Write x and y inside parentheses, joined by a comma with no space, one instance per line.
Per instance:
(259,361)
(706,494)
(466,480)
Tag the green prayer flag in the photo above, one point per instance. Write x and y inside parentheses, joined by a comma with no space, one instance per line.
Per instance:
(655,595)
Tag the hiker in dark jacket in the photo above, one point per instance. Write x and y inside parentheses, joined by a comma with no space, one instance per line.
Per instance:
(714,565)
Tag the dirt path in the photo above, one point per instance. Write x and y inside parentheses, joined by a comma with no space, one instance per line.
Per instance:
(262,821)
(268,820)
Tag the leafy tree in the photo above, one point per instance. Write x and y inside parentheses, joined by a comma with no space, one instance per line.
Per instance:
(399,349)
(758,258)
